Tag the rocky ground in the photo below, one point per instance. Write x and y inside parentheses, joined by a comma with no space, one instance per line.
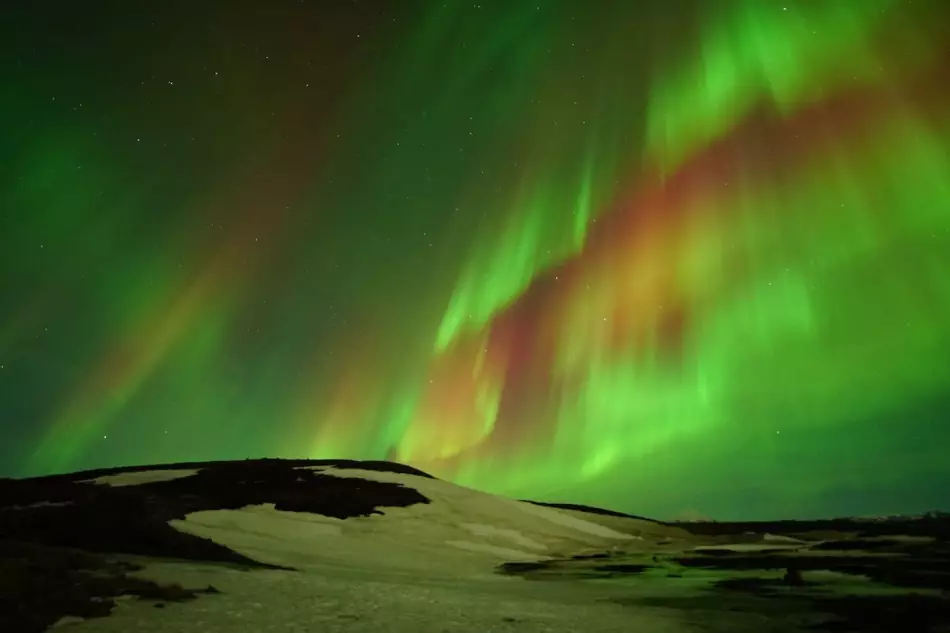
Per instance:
(836,575)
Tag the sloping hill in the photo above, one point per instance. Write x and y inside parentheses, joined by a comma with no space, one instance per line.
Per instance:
(456,528)
(92,535)
(301,545)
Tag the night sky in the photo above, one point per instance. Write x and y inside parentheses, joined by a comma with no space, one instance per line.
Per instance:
(673,258)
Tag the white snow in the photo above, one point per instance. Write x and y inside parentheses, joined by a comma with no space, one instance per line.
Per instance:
(429,568)
(780,538)
(426,568)
(265,520)
(452,497)
(513,535)
(140,477)
(348,601)
(494,550)
(460,529)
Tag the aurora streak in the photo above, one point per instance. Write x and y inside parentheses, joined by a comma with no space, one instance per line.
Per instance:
(578,251)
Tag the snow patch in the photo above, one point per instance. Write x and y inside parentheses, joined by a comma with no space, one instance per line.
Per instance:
(141,477)
(568,521)
(460,528)
(254,525)
(513,535)
(780,538)
(452,494)
(502,552)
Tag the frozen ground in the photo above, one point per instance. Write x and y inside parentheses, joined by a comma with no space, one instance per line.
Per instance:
(357,601)
(280,545)
(459,529)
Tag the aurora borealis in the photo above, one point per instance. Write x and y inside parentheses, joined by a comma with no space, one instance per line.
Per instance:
(661,257)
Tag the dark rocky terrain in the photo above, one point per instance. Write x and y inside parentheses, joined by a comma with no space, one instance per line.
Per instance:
(39,585)
(880,576)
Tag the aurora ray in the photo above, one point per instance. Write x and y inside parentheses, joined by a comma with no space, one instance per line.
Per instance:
(657,258)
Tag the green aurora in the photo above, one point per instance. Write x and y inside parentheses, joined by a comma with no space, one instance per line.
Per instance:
(683,258)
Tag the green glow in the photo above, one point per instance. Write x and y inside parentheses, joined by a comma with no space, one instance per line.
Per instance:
(654,259)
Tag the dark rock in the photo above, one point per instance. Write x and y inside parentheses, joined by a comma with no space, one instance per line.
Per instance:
(624,569)
(934,524)
(134,518)
(591,510)
(523,567)
(913,613)
(39,585)
(793,577)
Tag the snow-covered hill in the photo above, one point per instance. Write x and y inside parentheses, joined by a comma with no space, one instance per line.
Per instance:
(458,528)
(362,521)
(337,545)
